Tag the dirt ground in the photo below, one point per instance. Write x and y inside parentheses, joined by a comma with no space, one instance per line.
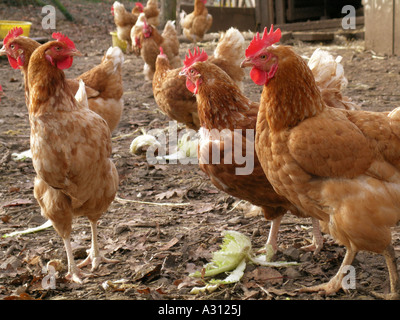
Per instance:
(159,246)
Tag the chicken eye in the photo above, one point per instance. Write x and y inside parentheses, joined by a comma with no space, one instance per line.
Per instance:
(57,48)
(263,57)
(191,71)
(12,47)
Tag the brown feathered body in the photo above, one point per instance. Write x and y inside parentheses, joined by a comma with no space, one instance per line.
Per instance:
(340,166)
(124,21)
(151,11)
(148,41)
(226,146)
(170,90)
(103,83)
(71,150)
(196,24)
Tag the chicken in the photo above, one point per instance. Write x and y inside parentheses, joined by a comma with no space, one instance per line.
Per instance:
(124,21)
(170,90)
(228,120)
(340,166)
(151,12)
(71,149)
(196,24)
(330,79)
(149,40)
(104,85)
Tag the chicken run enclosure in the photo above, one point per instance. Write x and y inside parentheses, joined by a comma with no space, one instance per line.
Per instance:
(168,218)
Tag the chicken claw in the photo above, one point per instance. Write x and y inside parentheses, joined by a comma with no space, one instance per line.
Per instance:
(335,284)
(94,255)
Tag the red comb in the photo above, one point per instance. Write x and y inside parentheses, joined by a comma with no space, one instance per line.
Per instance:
(268,39)
(196,56)
(139,5)
(62,38)
(161,50)
(13,33)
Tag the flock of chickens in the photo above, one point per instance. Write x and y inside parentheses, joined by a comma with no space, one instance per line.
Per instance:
(316,154)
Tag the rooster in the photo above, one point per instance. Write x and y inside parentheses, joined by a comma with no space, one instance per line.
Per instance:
(196,24)
(147,42)
(340,166)
(71,149)
(169,88)
(104,86)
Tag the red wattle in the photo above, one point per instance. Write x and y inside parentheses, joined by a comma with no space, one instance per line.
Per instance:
(65,64)
(191,86)
(258,76)
(13,62)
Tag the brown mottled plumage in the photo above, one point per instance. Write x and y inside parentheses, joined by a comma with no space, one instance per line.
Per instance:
(196,24)
(103,83)
(170,90)
(222,106)
(337,165)
(71,149)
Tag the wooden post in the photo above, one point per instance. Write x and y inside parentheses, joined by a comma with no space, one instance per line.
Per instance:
(397,27)
(168,11)
(262,15)
(280,11)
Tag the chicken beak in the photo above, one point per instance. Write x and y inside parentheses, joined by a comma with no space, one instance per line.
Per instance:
(3,51)
(183,72)
(246,63)
(75,53)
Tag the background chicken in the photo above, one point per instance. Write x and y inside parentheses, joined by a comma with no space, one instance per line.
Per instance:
(329,77)
(151,12)
(149,40)
(170,90)
(124,21)
(71,147)
(339,166)
(196,24)
(104,85)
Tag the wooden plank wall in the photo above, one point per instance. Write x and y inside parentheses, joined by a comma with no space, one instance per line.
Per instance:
(382,18)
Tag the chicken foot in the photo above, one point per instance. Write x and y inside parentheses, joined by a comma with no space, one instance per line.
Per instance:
(73,272)
(94,255)
(335,284)
(318,241)
(393,276)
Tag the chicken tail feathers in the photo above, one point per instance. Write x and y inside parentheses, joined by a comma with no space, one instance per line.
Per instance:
(231,46)
(81,95)
(115,55)
(329,76)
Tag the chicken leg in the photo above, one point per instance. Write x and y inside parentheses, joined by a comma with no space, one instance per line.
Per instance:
(73,272)
(393,276)
(94,256)
(335,284)
(318,241)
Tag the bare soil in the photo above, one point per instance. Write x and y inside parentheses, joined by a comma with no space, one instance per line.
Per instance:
(159,246)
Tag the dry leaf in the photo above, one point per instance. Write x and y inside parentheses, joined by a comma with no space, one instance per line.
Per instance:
(170,244)
(169,194)
(17,202)
(202,209)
